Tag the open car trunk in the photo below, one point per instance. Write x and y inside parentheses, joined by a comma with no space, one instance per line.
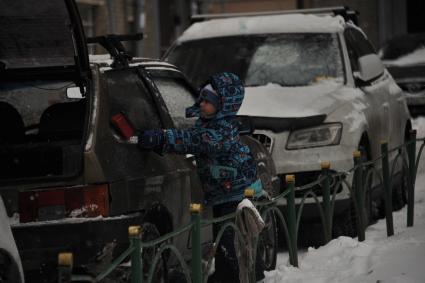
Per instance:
(42,53)
(41,133)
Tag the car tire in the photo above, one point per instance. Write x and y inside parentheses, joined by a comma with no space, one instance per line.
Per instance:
(345,224)
(149,233)
(9,271)
(399,191)
(268,242)
(264,174)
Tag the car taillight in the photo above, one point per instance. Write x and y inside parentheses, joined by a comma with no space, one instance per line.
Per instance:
(122,125)
(57,203)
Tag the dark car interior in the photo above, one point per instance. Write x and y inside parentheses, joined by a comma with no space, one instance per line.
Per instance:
(41,135)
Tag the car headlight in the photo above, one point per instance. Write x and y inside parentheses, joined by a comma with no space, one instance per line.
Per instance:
(327,134)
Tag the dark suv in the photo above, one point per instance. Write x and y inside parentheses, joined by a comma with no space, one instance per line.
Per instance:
(69,181)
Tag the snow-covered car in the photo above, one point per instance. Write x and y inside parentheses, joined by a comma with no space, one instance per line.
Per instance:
(10,262)
(315,91)
(404,57)
(68,176)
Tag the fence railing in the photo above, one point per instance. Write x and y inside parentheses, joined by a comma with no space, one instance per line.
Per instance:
(358,181)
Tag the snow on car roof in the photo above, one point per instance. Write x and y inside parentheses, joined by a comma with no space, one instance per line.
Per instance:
(415,57)
(294,23)
(106,61)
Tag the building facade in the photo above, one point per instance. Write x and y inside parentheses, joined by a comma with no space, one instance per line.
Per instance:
(162,21)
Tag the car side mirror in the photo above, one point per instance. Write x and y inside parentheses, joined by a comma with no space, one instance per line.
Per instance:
(74,92)
(370,67)
(246,125)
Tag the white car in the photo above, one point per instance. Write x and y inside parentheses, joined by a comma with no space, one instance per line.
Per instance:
(10,262)
(315,91)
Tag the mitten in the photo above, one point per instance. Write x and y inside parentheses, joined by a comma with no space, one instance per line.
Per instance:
(151,139)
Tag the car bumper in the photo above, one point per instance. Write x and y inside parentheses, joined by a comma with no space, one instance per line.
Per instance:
(88,239)
(305,163)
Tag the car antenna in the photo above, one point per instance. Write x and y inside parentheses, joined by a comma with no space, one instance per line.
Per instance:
(113,44)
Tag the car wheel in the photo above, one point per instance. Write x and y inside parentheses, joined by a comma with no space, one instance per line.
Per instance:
(264,174)
(345,224)
(122,274)
(149,233)
(9,271)
(399,191)
(267,242)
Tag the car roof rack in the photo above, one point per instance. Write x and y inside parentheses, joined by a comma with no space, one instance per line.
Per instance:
(113,44)
(344,11)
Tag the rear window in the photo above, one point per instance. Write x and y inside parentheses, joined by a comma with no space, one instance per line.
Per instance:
(34,34)
(177,97)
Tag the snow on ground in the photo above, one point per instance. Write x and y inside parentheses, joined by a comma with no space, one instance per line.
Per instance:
(396,259)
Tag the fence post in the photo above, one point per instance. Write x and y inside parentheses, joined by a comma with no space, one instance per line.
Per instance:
(65,263)
(411,151)
(326,196)
(359,194)
(250,194)
(195,210)
(135,235)
(290,200)
(387,189)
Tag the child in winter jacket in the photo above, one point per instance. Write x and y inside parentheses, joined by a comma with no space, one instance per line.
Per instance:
(225,165)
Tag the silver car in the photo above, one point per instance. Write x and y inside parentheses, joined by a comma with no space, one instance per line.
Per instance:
(404,57)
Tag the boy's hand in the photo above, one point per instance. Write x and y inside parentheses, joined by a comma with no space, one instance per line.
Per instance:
(151,139)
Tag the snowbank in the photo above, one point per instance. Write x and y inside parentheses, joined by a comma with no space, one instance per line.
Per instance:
(397,259)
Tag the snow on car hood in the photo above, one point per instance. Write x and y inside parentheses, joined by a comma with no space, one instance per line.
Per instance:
(275,101)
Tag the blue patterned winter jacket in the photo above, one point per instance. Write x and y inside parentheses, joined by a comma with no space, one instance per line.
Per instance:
(225,165)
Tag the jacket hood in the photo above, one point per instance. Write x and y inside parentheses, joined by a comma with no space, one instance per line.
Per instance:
(231,91)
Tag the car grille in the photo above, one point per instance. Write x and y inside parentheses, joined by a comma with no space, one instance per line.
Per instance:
(265,140)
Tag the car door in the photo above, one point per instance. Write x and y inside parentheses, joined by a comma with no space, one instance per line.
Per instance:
(178,95)
(376,93)
(42,39)
(141,180)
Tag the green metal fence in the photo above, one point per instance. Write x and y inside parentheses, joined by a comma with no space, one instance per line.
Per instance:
(358,181)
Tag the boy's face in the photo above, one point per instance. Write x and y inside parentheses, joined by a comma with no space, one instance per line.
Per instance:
(207,109)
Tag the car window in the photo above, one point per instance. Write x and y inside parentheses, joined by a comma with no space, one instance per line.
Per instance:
(286,59)
(127,94)
(357,46)
(177,97)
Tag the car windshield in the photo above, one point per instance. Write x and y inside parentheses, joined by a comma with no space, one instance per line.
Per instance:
(285,59)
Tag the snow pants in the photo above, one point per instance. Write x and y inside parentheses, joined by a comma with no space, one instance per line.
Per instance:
(226,262)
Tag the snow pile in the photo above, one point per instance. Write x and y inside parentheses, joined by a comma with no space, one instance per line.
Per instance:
(326,263)
(396,259)
(294,23)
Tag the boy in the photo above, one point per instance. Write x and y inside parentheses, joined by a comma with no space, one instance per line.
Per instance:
(225,165)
